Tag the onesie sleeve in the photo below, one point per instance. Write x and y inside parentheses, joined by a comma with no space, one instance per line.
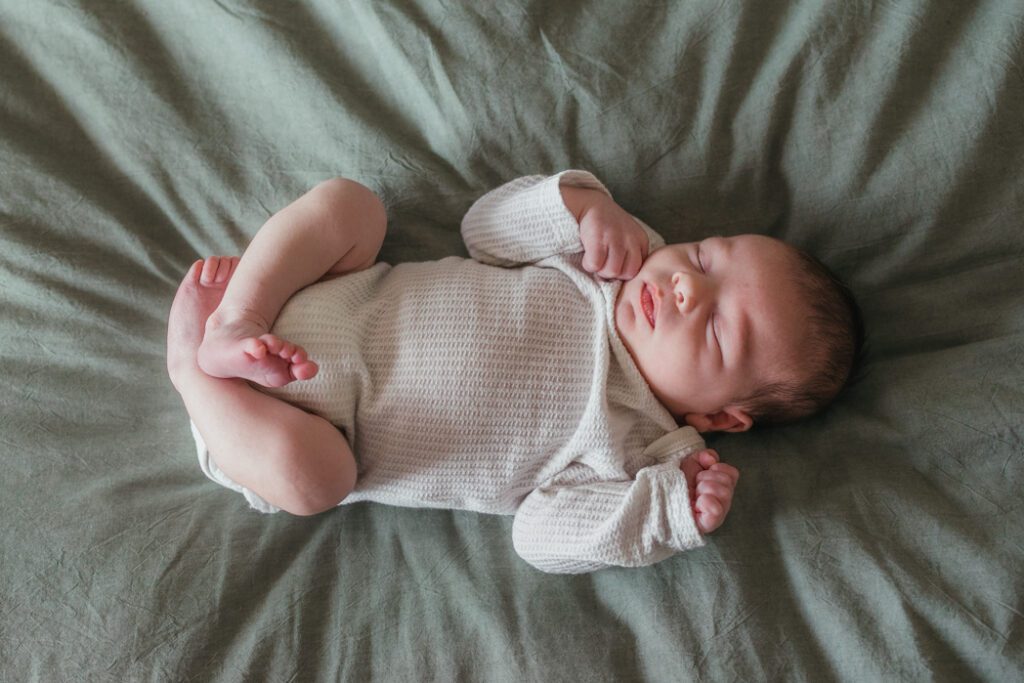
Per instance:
(574,524)
(526,220)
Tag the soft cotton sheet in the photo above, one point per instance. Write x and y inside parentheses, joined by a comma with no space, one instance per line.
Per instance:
(882,540)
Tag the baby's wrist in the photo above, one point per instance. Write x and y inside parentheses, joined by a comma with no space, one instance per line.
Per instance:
(580,200)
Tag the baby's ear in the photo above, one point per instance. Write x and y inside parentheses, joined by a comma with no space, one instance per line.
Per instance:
(728,419)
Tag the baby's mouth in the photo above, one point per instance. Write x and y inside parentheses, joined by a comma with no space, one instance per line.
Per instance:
(647,304)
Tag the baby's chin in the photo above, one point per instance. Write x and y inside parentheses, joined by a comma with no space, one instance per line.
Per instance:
(625,314)
(625,323)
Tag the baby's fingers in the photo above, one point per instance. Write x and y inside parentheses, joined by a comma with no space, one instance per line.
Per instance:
(623,261)
(709,505)
(697,462)
(727,470)
(594,257)
(708,513)
(707,458)
(691,468)
(715,488)
(613,263)
(631,266)
(635,249)
(711,475)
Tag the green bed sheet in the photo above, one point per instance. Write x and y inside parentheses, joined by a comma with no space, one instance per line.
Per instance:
(883,540)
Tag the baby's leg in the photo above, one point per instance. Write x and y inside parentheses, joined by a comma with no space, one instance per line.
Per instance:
(294,460)
(335,228)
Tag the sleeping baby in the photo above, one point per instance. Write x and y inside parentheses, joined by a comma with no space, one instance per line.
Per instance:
(563,374)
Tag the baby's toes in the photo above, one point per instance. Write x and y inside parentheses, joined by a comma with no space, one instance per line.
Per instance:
(287,350)
(304,370)
(273,343)
(209,272)
(229,264)
(224,268)
(255,347)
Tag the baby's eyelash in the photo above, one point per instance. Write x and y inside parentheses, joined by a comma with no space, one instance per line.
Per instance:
(714,333)
(700,260)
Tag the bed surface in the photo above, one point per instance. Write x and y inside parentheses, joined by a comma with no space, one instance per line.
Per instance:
(882,540)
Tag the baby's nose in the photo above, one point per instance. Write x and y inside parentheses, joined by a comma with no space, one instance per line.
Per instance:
(682,290)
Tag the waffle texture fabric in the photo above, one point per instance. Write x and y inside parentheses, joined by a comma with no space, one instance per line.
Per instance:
(498,384)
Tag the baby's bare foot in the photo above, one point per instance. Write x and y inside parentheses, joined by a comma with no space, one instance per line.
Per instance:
(193,304)
(239,345)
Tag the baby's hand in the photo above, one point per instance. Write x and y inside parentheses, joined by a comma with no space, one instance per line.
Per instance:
(614,244)
(711,485)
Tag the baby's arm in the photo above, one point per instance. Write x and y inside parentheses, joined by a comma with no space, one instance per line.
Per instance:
(711,484)
(579,522)
(527,219)
(532,218)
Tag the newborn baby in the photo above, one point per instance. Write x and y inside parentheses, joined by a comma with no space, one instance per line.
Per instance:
(547,377)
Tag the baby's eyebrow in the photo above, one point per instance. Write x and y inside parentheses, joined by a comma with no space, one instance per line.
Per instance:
(725,243)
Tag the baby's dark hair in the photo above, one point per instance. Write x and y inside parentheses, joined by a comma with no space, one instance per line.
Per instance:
(832,356)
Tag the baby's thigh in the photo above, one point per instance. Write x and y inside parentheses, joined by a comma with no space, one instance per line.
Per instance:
(329,395)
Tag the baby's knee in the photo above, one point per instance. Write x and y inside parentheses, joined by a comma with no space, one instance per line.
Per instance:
(321,498)
(309,505)
(321,474)
(344,196)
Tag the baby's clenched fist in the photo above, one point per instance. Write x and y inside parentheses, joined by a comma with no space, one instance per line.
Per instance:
(711,484)
(614,243)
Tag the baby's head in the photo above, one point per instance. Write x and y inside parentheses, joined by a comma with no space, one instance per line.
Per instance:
(733,332)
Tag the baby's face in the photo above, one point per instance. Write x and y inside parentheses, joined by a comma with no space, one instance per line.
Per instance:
(707,322)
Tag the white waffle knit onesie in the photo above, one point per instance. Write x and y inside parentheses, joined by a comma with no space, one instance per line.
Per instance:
(498,384)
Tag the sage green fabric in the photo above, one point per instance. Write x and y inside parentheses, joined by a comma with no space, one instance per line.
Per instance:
(883,540)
